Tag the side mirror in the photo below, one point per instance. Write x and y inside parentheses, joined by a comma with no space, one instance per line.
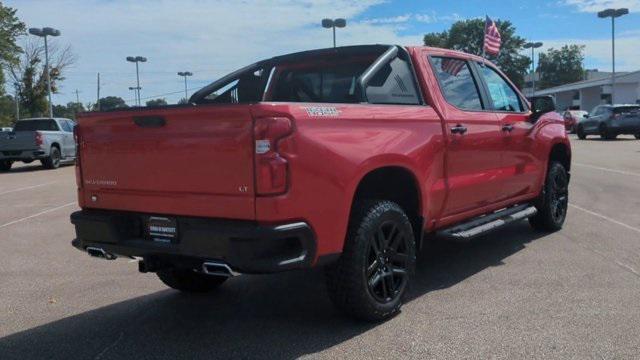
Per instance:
(541,105)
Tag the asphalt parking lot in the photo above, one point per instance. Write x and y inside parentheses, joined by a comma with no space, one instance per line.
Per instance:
(514,294)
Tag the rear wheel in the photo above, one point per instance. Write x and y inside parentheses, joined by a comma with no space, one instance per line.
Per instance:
(553,202)
(581,134)
(5,165)
(371,277)
(53,161)
(187,280)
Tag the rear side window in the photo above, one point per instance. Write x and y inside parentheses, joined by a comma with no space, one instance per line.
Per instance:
(36,125)
(393,84)
(626,109)
(502,95)
(457,83)
(65,126)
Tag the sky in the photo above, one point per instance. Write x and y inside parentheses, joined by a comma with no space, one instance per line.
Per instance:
(211,38)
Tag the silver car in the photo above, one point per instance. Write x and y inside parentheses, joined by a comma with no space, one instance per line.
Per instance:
(49,140)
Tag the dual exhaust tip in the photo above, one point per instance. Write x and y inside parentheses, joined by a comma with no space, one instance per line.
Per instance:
(100,253)
(215,268)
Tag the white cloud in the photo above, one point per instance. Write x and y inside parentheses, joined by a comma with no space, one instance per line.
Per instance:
(390,20)
(598,51)
(209,38)
(432,17)
(593,6)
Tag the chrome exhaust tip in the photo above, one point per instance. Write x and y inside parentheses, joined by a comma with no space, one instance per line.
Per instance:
(218,269)
(100,253)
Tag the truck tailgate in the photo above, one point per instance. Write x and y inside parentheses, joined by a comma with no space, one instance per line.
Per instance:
(17,141)
(177,161)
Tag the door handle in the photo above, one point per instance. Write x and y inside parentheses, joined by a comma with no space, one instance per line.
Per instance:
(458,129)
(507,127)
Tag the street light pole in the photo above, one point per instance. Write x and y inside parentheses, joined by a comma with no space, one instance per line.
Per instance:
(333,24)
(137,60)
(44,32)
(533,46)
(613,14)
(185,74)
(17,99)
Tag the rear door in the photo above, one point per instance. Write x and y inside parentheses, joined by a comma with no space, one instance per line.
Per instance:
(474,138)
(68,143)
(194,161)
(520,168)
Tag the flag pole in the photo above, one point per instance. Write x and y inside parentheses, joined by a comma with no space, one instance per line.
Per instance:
(484,54)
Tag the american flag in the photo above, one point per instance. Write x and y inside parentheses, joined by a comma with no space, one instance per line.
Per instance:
(452,66)
(492,39)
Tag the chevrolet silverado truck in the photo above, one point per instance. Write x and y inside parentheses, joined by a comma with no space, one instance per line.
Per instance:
(49,140)
(349,158)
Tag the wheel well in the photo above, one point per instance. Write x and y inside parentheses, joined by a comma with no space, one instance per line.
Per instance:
(394,184)
(560,153)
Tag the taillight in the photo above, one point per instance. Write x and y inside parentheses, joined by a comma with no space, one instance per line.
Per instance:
(271,167)
(76,137)
(39,139)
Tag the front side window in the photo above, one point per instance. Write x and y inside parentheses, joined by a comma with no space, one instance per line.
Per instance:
(502,94)
(65,126)
(457,83)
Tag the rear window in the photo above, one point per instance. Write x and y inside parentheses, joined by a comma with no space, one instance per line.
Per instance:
(36,125)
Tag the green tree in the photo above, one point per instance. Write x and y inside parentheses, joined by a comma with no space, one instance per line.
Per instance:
(110,103)
(7,111)
(563,66)
(468,36)
(29,71)
(157,102)
(10,28)
(68,111)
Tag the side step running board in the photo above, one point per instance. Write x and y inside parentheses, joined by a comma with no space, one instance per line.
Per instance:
(486,223)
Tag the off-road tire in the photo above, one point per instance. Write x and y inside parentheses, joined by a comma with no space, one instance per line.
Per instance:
(553,202)
(359,283)
(5,165)
(187,280)
(53,160)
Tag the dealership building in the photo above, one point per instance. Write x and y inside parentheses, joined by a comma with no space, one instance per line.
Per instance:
(596,90)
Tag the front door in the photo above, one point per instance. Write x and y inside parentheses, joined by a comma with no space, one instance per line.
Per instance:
(520,168)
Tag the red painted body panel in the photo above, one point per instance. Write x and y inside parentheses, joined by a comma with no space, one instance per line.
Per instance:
(201,160)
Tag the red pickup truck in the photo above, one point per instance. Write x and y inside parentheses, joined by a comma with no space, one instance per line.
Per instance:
(348,158)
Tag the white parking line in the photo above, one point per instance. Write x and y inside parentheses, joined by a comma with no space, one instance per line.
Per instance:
(622,172)
(605,218)
(28,188)
(36,215)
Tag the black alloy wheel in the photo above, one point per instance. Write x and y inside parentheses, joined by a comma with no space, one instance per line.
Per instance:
(387,270)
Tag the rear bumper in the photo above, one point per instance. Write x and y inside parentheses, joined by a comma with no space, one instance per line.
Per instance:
(20,155)
(246,246)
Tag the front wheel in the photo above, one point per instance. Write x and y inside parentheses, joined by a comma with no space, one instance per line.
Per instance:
(580,132)
(5,165)
(53,161)
(187,280)
(637,136)
(371,277)
(553,201)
